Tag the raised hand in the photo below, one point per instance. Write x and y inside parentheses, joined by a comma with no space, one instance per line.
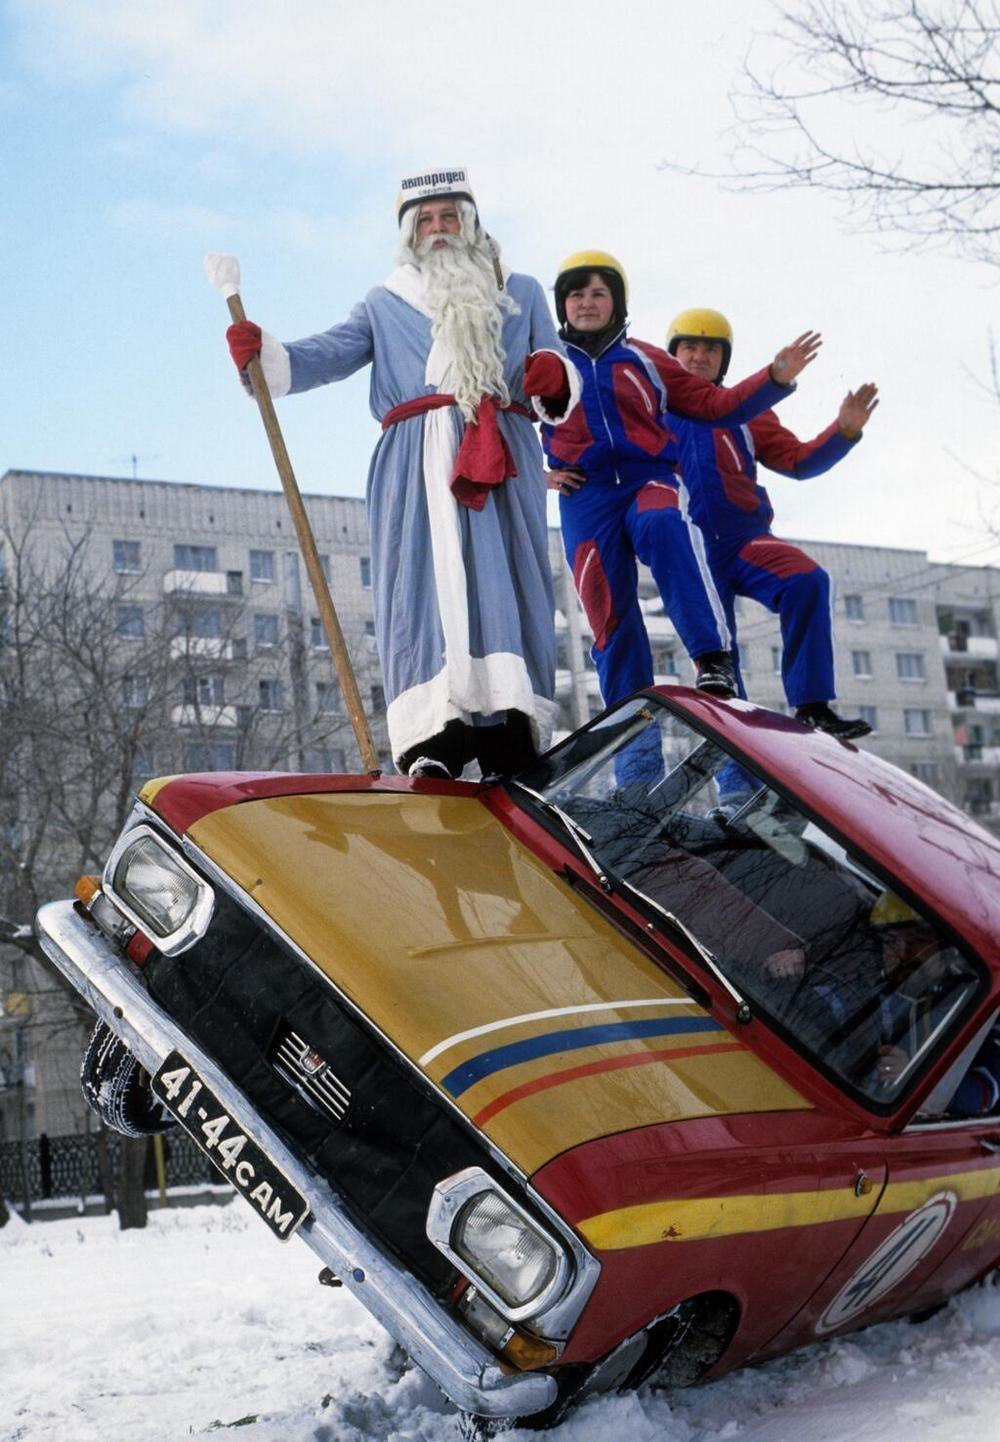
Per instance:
(856,409)
(792,359)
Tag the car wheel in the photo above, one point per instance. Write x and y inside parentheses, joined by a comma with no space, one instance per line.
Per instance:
(686,1341)
(117,1089)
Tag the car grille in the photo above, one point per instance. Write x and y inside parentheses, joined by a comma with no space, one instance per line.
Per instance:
(310,1074)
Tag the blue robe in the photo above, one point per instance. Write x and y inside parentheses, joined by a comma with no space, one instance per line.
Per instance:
(463,601)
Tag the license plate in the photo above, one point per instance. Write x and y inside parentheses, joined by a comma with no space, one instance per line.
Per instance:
(237,1156)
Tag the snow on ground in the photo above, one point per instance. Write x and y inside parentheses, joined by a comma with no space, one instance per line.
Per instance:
(202,1324)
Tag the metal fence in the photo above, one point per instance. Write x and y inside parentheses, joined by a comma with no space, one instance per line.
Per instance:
(53,1167)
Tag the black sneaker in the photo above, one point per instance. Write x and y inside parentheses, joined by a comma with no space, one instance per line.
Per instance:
(429,769)
(714,673)
(822,718)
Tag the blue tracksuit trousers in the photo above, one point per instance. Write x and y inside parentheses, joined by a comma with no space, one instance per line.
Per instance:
(606,526)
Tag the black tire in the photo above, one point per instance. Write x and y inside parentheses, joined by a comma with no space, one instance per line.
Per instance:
(117,1089)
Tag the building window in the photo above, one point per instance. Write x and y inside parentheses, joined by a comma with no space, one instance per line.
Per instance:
(130,623)
(126,557)
(776,660)
(925,771)
(902,611)
(378,698)
(324,565)
(317,636)
(262,565)
(366,572)
(265,631)
(854,607)
(143,764)
(910,666)
(916,721)
(327,697)
(210,756)
(194,558)
(869,714)
(135,691)
(861,663)
(200,622)
(744,655)
(269,696)
(664,661)
(326,758)
(207,690)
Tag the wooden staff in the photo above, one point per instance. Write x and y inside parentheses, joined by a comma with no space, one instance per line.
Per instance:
(224,273)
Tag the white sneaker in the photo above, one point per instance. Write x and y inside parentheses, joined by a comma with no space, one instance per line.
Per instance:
(427,767)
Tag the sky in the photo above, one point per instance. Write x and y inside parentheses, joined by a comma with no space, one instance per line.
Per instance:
(247,1345)
(135,137)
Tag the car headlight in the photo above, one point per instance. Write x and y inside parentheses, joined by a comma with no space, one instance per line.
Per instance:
(157,890)
(496,1242)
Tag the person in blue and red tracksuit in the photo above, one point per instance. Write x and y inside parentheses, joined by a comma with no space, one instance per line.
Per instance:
(719,467)
(614,461)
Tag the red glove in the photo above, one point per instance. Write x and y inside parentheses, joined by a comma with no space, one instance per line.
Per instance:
(545,375)
(245,340)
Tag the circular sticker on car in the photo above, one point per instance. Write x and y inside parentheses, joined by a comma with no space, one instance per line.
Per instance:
(894,1259)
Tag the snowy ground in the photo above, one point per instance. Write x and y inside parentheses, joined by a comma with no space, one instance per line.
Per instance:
(202,1323)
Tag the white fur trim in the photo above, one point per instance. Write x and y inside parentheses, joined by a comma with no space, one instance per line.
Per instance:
(407,282)
(575,390)
(498,682)
(276,365)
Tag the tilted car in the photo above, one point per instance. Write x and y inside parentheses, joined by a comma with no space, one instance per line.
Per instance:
(652,1062)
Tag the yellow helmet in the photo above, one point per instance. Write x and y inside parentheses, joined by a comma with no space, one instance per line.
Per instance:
(700,323)
(891,910)
(575,269)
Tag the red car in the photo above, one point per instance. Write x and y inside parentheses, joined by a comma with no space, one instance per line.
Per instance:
(676,1052)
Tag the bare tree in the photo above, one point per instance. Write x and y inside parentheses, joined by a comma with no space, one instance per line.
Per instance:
(892,105)
(89,709)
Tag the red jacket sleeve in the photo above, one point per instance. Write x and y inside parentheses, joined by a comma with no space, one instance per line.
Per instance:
(701,400)
(779,450)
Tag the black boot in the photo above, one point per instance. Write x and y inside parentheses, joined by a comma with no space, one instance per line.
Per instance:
(505,749)
(440,757)
(821,717)
(714,673)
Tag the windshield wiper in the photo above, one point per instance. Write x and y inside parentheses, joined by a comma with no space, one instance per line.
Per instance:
(609,879)
(743,1013)
(576,831)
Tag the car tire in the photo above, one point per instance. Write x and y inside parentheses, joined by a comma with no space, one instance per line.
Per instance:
(117,1088)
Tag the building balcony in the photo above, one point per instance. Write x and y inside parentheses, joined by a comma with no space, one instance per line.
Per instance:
(203,583)
(977,648)
(189,715)
(969,699)
(205,648)
(975,754)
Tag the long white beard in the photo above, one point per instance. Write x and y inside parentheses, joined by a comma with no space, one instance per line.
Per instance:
(468,312)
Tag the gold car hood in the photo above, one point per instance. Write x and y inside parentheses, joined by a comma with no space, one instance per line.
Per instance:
(520,1002)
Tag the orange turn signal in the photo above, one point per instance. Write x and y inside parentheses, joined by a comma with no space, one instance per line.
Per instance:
(86,888)
(526,1353)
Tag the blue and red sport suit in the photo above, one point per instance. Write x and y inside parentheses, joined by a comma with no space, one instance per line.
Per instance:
(621,436)
(734,513)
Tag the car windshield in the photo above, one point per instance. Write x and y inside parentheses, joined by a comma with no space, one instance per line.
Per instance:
(857,977)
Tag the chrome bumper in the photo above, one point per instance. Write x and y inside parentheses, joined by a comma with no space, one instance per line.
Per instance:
(464,1370)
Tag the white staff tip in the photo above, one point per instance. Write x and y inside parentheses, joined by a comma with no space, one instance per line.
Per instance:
(223,272)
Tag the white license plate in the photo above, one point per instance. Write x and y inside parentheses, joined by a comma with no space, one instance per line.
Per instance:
(237,1156)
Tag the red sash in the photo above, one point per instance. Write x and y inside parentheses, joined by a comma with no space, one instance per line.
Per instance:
(484,459)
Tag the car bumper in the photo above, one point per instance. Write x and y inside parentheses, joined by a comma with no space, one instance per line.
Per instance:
(465,1371)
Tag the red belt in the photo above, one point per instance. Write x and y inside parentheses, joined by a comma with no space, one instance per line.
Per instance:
(484,459)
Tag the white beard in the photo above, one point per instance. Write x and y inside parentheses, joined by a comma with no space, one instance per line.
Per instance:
(467,309)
